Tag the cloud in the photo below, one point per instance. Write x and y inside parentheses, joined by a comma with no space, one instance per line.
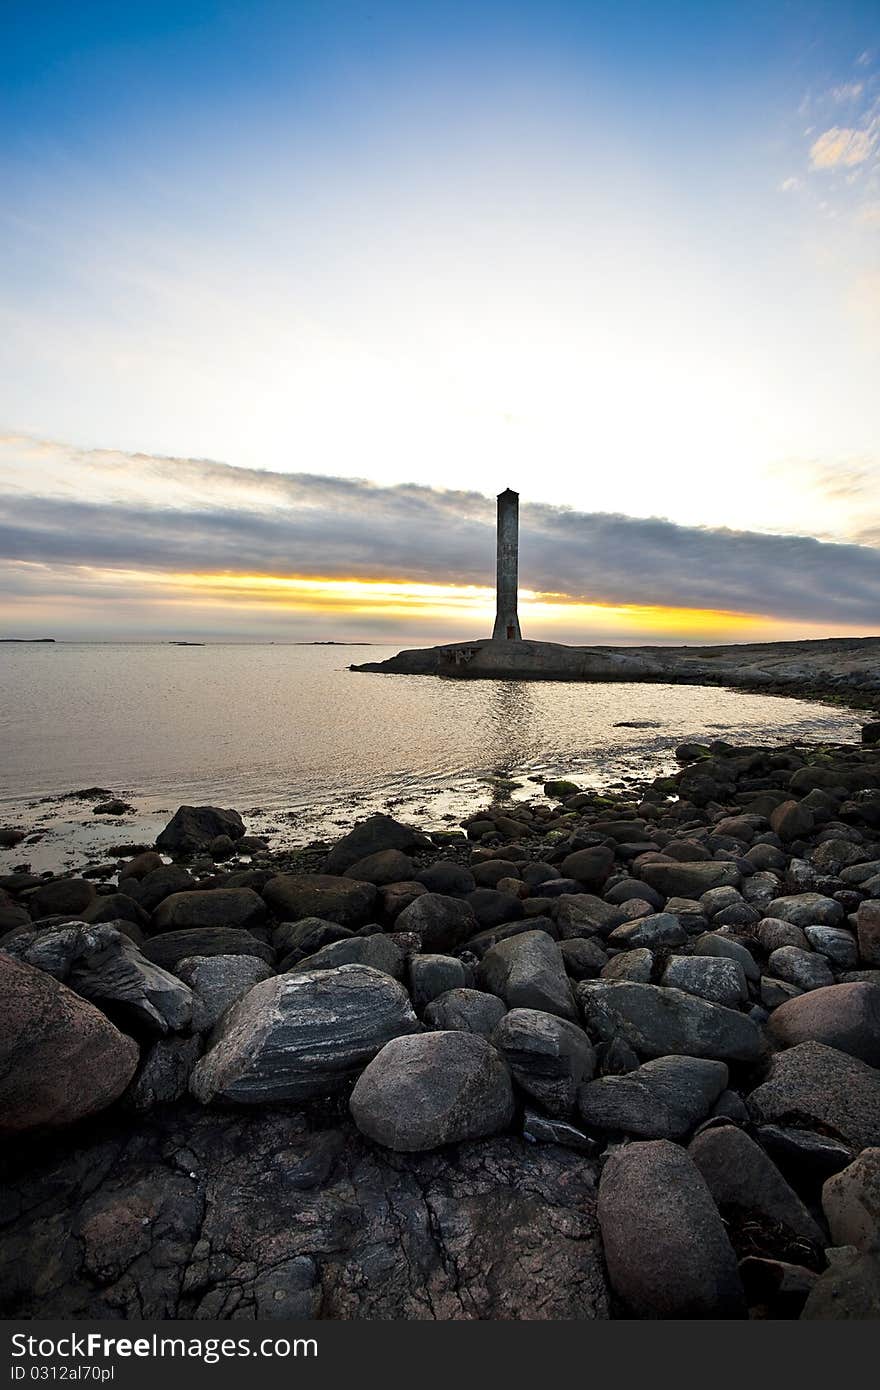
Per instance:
(841,147)
(847,91)
(191,515)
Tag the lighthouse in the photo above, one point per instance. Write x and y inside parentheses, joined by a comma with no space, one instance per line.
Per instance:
(506,620)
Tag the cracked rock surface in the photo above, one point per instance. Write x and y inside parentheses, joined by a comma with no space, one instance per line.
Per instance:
(292,1213)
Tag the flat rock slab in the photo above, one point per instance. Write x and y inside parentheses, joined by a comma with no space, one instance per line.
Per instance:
(209,1215)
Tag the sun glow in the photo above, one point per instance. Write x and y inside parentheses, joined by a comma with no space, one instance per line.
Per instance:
(397,609)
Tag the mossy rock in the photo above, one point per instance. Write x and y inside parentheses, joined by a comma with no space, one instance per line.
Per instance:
(558,790)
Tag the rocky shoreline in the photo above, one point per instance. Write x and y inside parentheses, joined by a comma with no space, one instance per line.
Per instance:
(589,1056)
(837,670)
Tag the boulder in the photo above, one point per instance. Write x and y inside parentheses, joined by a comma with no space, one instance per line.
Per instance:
(773,933)
(489,872)
(297,1036)
(104,965)
(807,910)
(689,880)
(422,1092)
(159,884)
(494,908)
(192,828)
(791,820)
(60,1058)
(837,945)
(714,944)
(394,897)
(378,951)
(775,992)
(528,972)
(868,921)
(549,1057)
(372,836)
(584,958)
(846,1017)
(141,864)
(806,1157)
(821,1088)
(541,1129)
(722,981)
(432,975)
(589,866)
(117,907)
(653,932)
(334,899)
(805,969)
(582,914)
(634,890)
(441,923)
(663,1099)
(659,1022)
(635,965)
(745,1182)
(172,946)
(164,1074)
(465,1011)
(218,907)
(384,867)
(218,982)
(310,934)
(62,897)
(12,914)
(666,1248)
(849,1289)
(851,1203)
(447,877)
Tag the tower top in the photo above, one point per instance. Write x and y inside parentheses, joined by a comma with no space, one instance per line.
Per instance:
(508,492)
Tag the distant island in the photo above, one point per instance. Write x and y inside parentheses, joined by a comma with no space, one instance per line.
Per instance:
(27,639)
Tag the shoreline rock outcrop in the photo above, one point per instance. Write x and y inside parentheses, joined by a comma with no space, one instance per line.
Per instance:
(601,1053)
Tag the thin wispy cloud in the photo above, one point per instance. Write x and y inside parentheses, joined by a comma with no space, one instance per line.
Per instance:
(841,147)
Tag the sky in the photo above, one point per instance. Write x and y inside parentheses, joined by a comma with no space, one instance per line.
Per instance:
(289,291)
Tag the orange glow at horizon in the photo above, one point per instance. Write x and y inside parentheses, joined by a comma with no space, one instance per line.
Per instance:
(466,608)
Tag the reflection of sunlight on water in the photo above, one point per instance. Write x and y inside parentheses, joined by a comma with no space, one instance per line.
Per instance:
(292,738)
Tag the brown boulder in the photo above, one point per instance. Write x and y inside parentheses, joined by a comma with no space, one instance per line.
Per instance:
(60,1058)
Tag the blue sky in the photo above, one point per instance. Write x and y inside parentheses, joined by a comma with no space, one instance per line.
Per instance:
(625,258)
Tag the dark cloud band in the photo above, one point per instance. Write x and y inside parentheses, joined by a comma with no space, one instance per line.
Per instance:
(342,527)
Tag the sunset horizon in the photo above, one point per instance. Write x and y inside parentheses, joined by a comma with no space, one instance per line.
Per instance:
(292,291)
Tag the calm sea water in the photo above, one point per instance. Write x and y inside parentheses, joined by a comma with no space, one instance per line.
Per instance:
(298,743)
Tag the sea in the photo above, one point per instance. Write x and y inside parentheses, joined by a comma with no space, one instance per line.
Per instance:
(302,746)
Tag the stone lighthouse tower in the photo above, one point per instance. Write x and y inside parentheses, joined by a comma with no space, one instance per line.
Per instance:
(506,621)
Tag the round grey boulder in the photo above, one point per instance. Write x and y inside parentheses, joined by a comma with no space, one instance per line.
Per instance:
(422,1092)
